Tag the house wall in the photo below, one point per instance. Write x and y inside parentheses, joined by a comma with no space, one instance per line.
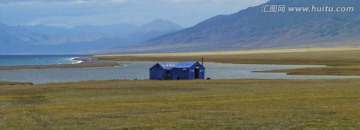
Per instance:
(201,71)
(188,73)
(180,73)
(159,73)
(156,72)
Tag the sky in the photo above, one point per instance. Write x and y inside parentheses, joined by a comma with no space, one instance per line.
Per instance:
(71,13)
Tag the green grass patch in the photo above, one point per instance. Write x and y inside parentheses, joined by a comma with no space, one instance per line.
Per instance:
(200,104)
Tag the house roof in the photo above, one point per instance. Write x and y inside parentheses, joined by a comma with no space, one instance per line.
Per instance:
(167,65)
(186,64)
(170,65)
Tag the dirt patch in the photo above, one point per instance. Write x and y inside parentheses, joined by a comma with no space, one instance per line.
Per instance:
(15,83)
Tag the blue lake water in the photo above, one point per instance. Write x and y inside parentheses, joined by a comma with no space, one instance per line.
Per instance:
(16,60)
(140,70)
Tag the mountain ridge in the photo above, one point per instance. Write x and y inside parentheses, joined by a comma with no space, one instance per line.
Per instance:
(253,29)
(154,29)
(42,39)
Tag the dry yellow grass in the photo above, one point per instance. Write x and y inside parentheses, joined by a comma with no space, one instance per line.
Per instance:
(241,52)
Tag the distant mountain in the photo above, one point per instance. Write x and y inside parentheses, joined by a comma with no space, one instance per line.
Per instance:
(19,35)
(86,33)
(48,30)
(42,39)
(116,30)
(154,29)
(253,29)
(16,38)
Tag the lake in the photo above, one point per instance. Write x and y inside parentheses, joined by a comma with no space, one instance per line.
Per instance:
(140,70)
(16,60)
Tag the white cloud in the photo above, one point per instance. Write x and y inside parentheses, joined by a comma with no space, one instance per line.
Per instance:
(218,1)
(180,1)
(60,1)
(80,1)
(118,1)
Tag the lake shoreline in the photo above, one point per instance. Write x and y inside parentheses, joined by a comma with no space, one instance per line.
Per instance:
(86,62)
(337,61)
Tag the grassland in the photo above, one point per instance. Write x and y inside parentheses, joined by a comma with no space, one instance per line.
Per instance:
(198,104)
(201,104)
(341,60)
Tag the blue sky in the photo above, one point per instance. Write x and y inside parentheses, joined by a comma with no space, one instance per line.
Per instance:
(72,13)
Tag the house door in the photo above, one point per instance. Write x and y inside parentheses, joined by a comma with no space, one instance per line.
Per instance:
(197,73)
(168,74)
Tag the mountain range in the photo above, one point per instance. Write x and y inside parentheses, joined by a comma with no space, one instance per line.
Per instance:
(252,28)
(154,29)
(42,39)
